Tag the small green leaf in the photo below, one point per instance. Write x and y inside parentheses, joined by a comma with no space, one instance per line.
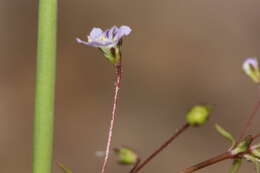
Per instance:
(65,170)
(235,166)
(255,160)
(126,156)
(257,146)
(257,167)
(225,134)
(256,152)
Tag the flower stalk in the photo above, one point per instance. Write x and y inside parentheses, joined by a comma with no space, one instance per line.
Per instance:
(109,42)
(118,74)
(251,69)
(45,84)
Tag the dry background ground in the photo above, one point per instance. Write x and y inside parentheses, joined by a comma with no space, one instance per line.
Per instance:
(180,53)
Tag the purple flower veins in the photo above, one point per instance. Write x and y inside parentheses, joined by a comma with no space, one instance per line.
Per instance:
(106,39)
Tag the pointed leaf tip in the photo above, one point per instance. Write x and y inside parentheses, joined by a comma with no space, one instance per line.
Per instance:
(255,160)
(225,134)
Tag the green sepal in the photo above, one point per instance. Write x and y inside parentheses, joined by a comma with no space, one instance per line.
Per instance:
(126,156)
(225,134)
(112,54)
(235,166)
(64,169)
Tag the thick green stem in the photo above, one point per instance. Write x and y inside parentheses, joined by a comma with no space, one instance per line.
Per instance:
(45,84)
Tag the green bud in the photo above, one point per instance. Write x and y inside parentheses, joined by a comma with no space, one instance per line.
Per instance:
(126,156)
(198,115)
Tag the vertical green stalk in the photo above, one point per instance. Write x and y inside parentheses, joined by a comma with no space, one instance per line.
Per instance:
(45,84)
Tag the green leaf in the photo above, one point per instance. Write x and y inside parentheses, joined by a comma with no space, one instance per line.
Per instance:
(235,166)
(257,146)
(225,134)
(257,167)
(256,152)
(65,170)
(255,160)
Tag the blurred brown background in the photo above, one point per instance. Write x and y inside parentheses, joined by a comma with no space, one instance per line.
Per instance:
(180,53)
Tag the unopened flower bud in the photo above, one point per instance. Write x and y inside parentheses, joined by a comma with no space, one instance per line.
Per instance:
(251,68)
(126,156)
(198,115)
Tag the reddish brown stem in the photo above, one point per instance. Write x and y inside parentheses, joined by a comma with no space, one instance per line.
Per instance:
(135,165)
(118,74)
(163,146)
(249,120)
(216,159)
(256,136)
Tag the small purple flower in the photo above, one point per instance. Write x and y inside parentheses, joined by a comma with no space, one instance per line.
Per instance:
(251,68)
(106,39)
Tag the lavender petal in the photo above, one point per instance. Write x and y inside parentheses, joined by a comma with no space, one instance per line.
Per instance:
(95,33)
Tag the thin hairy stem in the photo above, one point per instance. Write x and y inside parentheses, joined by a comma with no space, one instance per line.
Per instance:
(163,146)
(118,73)
(249,120)
(206,163)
